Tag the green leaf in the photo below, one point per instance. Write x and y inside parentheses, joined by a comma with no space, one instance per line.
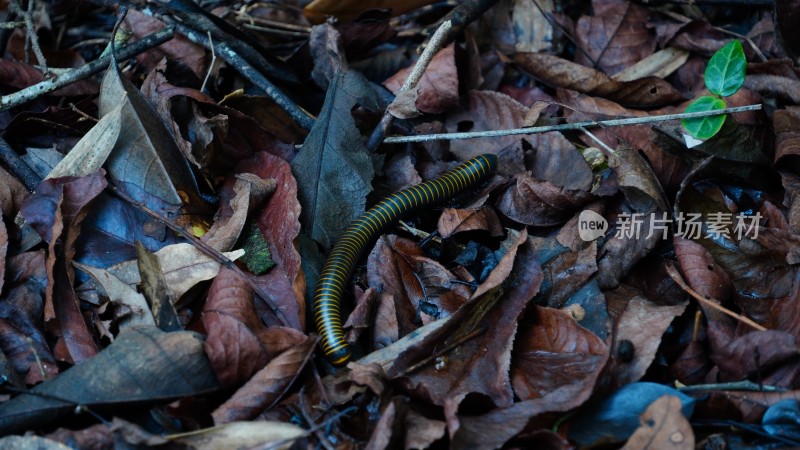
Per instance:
(704,127)
(725,71)
(257,257)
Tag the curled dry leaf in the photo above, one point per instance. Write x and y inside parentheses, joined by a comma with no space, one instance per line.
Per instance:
(267,386)
(454,221)
(481,333)
(561,73)
(249,191)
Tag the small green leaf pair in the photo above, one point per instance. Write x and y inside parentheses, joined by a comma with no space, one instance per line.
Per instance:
(724,76)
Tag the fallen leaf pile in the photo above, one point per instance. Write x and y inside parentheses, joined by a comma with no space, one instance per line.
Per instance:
(165,217)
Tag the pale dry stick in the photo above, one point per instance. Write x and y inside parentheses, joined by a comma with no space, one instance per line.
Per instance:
(609,151)
(673,273)
(210,66)
(564,127)
(32,92)
(411,82)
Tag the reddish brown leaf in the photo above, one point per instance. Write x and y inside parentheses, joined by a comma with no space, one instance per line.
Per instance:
(663,427)
(703,275)
(786,124)
(267,386)
(486,110)
(60,205)
(614,37)
(179,48)
(438,87)
(754,351)
(232,327)
(454,221)
(692,365)
(566,273)
(556,353)
(752,404)
(280,223)
(540,203)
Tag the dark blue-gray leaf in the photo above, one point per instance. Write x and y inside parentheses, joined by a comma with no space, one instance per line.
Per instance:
(334,168)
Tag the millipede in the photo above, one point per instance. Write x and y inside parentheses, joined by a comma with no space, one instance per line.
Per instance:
(349,248)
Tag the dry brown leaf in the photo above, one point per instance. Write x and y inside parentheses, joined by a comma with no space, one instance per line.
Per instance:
(663,428)
(121,294)
(249,192)
(184,266)
(232,329)
(556,353)
(277,435)
(437,90)
(267,386)
(614,37)
(540,203)
(12,194)
(642,324)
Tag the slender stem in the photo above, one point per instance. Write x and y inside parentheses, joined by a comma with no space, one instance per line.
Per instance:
(232,57)
(411,82)
(564,127)
(32,92)
(672,271)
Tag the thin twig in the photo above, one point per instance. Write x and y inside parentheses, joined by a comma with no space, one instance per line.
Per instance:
(11,25)
(564,127)
(411,82)
(96,66)
(211,65)
(672,271)
(208,250)
(608,150)
(744,385)
(230,56)
(32,37)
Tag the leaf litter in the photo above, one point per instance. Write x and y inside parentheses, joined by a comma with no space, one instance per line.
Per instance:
(608,286)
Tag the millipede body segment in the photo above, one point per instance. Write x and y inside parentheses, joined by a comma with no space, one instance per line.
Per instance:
(354,241)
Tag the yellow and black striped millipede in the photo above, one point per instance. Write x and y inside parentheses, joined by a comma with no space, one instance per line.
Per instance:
(354,240)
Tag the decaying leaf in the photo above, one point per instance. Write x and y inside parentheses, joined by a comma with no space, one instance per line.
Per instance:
(142,365)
